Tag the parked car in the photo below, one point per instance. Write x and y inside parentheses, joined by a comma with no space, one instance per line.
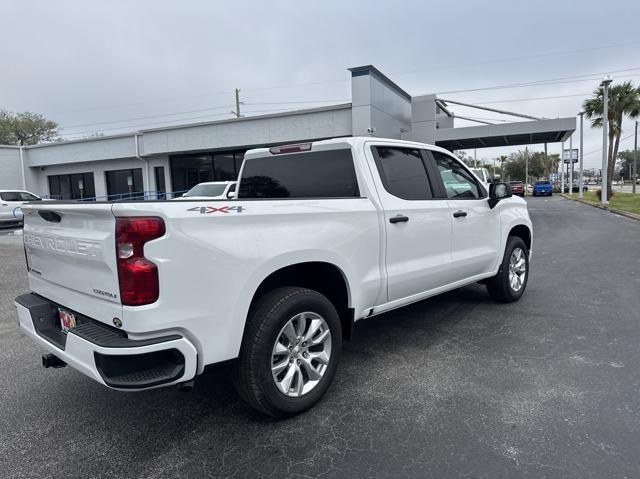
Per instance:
(210,190)
(139,295)
(575,188)
(11,202)
(517,188)
(542,188)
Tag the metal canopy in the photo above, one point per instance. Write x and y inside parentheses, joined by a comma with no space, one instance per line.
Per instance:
(506,134)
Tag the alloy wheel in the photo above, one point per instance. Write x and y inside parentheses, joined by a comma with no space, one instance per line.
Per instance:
(301,354)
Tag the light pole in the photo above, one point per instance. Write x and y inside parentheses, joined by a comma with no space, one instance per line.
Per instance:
(580,181)
(570,165)
(604,195)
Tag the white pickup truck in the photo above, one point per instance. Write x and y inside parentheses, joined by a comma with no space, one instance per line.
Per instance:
(143,294)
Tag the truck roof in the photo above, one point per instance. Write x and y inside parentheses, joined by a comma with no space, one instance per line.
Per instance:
(346,141)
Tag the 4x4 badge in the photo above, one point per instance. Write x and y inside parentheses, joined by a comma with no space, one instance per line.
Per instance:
(206,210)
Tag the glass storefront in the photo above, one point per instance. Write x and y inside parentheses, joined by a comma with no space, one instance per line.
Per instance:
(77,186)
(189,170)
(125,184)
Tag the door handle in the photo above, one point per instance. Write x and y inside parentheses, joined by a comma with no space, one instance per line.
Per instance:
(4,204)
(460,214)
(398,219)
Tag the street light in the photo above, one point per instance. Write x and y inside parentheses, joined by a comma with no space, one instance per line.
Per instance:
(606,81)
(580,182)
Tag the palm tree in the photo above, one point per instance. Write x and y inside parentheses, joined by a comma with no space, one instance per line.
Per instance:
(624,101)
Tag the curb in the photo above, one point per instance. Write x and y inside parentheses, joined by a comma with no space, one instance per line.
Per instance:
(626,214)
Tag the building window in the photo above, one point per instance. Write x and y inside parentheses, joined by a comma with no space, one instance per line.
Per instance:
(189,170)
(161,189)
(125,184)
(77,186)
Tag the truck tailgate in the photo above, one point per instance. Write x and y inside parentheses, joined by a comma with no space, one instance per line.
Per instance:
(70,251)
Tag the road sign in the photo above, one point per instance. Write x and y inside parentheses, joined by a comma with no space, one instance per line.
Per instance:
(570,156)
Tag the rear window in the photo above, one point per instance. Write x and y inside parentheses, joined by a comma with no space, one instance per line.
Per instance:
(544,183)
(317,174)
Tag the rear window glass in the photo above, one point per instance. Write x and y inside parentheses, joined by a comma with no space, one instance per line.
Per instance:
(317,174)
(542,183)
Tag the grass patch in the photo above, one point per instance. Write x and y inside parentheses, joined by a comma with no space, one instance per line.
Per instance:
(619,201)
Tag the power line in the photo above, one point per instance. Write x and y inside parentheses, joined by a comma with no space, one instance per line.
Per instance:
(574,78)
(406,72)
(600,149)
(531,99)
(551,81)
(148,125)
(148,117)
(298,102)
(506,60)
(221,107)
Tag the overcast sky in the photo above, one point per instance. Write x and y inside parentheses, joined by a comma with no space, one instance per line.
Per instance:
(91,65)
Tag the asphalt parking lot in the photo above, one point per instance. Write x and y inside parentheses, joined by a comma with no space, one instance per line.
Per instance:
(455,386)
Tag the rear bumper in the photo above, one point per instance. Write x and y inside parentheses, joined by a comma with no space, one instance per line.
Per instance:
(105,354)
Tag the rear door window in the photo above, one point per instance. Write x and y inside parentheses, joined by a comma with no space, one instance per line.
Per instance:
(403,172)
(316,174)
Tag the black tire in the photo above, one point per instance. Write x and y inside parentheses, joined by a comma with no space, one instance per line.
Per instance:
(252,373)
(499,287)
(550,194)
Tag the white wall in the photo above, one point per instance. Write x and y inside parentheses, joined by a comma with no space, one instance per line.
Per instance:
(10,168)
(325,122)
(81,150)
(377,105)
(98,168)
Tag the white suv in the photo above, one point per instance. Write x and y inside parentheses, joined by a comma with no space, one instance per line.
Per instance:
(11,202)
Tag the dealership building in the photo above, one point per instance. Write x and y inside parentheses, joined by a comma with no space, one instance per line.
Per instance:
(175,158)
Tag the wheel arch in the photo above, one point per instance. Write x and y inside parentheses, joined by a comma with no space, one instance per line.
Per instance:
(522,231)
(321,276)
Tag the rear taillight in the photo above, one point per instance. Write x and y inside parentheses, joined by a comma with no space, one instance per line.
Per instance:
(138,277)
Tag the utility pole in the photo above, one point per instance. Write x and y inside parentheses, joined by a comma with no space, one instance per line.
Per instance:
(475,158)
(604,195)
(238,103)
(581,181)
(562,168)
(634,178)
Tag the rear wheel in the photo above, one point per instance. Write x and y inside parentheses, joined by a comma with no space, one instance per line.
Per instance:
(290,351)
(511,281)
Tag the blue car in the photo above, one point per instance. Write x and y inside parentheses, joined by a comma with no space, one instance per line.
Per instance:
(542,188)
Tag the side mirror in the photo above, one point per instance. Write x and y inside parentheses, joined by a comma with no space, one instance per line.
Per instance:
(231,195)
(497,192)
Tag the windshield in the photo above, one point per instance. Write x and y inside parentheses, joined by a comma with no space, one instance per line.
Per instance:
(206,190)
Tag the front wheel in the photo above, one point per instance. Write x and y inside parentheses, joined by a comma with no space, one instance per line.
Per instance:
(290,351)
(510,282)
